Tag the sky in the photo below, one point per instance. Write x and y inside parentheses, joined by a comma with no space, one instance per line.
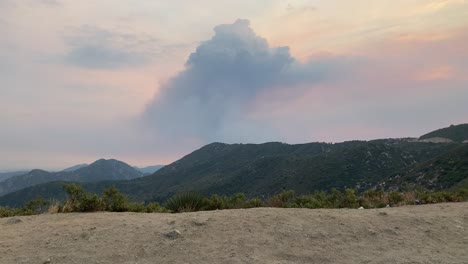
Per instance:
(147,82)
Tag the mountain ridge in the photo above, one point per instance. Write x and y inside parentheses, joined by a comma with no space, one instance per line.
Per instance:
(261,170)
(455,133)
(97,171)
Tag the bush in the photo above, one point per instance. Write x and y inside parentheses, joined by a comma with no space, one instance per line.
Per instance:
(90,202)
(350,199)
(334,199)
(75,194)
(135,207)
(114,201)
(306,201)
(283,199)
(36,206)
(215,202)
(186,202)
(236,201)
(462,194)
(373,199)
(155,208)
(7,212)
(395,198)
(79,201)
(253,203)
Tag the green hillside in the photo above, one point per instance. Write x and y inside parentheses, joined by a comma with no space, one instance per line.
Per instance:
(457,133)
(259,170)
(446,171)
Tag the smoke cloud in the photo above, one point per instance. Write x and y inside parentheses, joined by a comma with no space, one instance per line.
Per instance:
(212,96)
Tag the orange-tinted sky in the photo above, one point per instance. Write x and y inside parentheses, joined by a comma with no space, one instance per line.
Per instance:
(82,80)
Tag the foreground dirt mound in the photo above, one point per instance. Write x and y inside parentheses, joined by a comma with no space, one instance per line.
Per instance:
(412,234)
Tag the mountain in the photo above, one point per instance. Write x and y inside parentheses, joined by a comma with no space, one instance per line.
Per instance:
(6,175)
(99,170)
(102,169)
(260,170)
(74,168)
(455,133)
(149,169)
(443,172)
(264,169)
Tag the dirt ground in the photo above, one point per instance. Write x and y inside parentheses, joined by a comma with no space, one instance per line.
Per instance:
(410,234)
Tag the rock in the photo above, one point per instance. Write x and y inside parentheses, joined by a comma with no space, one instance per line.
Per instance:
(47,261)
(198,222)
(360,208)
(174,234)
(13,220)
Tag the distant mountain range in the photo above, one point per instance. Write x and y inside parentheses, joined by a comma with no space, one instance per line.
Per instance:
(264,169)
(149,169)
(74,168)
(99,170)
(6,175)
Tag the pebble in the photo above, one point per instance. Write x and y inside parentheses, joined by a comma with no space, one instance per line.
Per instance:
(174,234)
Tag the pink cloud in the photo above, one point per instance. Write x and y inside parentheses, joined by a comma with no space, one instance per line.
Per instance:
(394,88)
(435,73)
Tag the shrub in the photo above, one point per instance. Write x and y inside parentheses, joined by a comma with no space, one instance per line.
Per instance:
(186,202)
(155,208)
(462,194)
(306,201)
(236,201)
(215,202)
(395,198)
(334,199)
(80,201)
(282,199)
(114,201)
(135,207)
(36,206)
(90,202)
(373,199)
(253,203)
(75,194)
(350,199)
(6,212)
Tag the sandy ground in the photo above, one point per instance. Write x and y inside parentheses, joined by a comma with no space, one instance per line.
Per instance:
(411,234)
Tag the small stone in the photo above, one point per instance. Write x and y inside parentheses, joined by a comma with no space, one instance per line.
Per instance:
(198,223)
(47,261)
(174,234)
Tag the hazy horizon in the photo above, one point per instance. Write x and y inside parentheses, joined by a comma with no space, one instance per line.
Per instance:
(148,82)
